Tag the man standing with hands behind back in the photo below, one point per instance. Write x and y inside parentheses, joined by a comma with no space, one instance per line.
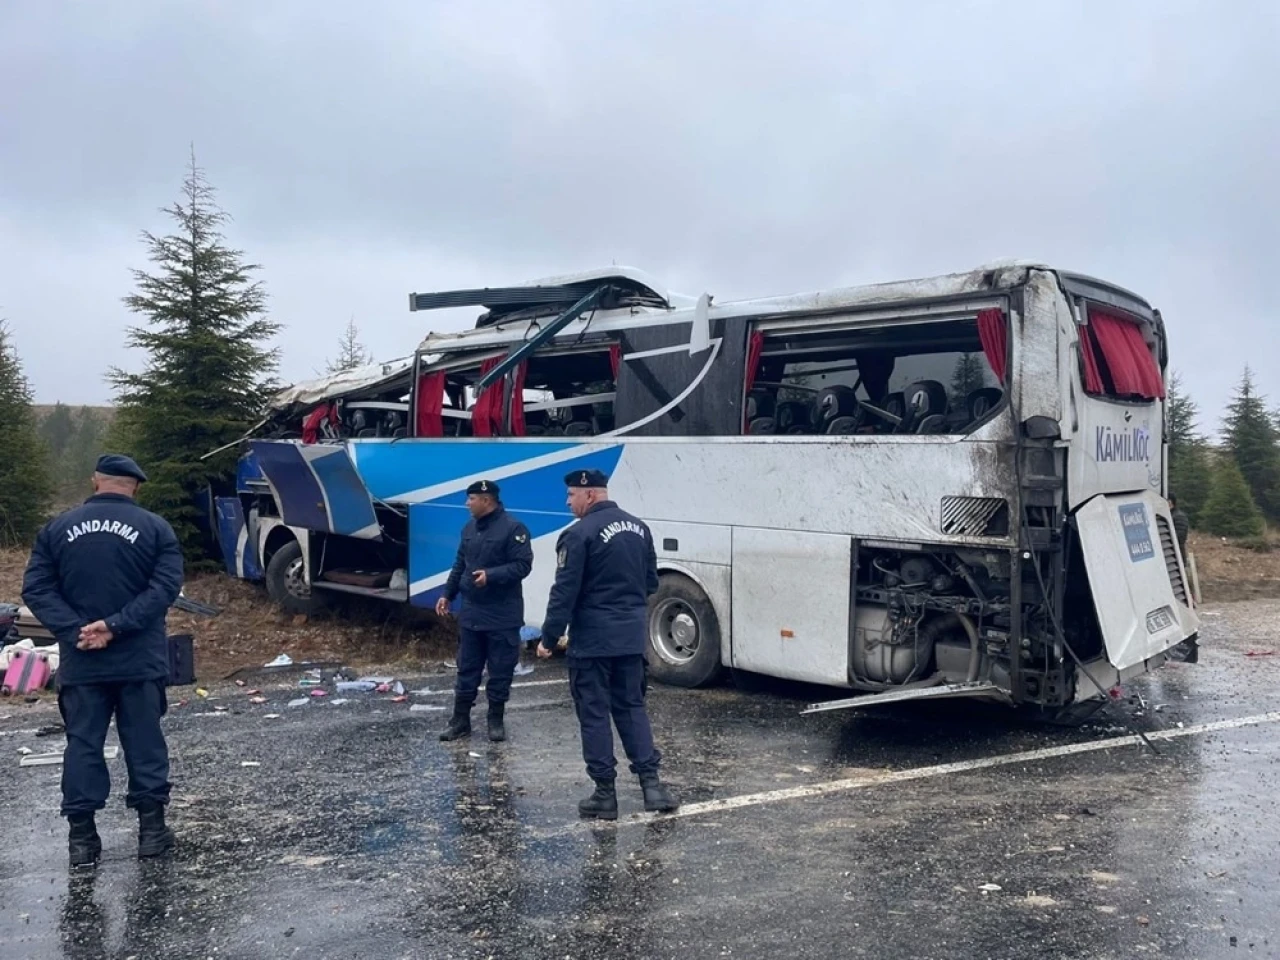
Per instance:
(493,559)
(101,578)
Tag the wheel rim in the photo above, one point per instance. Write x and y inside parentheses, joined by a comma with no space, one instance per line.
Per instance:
(295,580)
(674,631)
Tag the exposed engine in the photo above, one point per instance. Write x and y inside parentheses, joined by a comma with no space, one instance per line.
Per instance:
(924,619)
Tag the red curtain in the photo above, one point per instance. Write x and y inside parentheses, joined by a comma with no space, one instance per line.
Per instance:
(486,412)
(430,399)
(315,419)
(994,335)
(1133,369)
(755,347)
(615,359)
(1092,375)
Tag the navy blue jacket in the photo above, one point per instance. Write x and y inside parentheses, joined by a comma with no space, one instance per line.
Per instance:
(107,559)
(606,568)
(499,545)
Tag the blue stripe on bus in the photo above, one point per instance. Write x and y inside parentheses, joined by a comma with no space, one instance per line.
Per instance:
(391,470)
(536,498)
(350,509)
(301,501)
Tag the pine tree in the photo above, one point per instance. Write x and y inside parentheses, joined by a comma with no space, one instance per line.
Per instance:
(1252,441)
(1190,468)
(968,375)
(26,488)
(57,429)
(1230,510)
(351,352)
(208,368)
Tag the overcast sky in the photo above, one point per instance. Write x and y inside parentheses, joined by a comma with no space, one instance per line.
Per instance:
(367,150)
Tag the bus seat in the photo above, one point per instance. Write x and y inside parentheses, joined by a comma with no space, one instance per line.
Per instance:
(924,398)
(760,403)
(399,432)
(762,425)
(980,402)
(836,401)
(792,416)
(933,423)
(843,425)
(578,428)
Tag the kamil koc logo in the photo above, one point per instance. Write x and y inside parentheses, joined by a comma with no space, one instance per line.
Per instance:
(1131,445)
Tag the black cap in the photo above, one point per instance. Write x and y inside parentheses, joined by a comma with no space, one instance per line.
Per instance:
(484,486)
(118,465)
(586,478)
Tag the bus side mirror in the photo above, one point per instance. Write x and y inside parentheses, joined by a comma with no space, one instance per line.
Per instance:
(1042,428)
(700,330)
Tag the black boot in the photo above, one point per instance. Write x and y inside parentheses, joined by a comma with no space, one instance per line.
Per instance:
(460,725)
(83,843)
(601,805)
(154,838)
(657,798)
(497,731)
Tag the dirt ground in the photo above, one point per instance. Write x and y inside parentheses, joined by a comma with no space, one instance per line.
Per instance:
(1230,572)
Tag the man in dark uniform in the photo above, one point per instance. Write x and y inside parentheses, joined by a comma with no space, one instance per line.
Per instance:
(495,556)
(101,578)
(606,568)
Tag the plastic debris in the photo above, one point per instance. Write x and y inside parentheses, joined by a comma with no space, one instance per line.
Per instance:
(309,682)
(252,693)
(25,751)
(382,688)
(400,699)
(284,660)
(990,888)
(319,693)
(339,702)
(241,683)
(201,692)
(426,708)
(472,753)
(301,701)
(398,688)
(250,763)
(523,669)
(355,686)
(272,716)
(258,700)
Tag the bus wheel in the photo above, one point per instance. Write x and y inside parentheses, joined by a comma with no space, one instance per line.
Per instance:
(287,581)
(684,634)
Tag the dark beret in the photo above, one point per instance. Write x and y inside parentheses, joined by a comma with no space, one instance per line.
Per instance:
(484,486)
(118,465)
(586,478)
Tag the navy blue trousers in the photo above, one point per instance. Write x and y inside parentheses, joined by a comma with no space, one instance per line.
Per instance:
(612,687)
(87,710)
(499,650)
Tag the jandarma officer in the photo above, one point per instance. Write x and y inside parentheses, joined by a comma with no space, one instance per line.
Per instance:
(101,578)
(606,568)
(494,557)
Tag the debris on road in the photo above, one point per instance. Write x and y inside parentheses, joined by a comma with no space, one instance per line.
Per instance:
(301,701)
(258,700)
(284,660)
(990,888)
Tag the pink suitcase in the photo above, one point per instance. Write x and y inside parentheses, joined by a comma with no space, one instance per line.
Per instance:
(27,671)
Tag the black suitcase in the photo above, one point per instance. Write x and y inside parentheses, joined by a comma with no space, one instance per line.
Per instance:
(182,660)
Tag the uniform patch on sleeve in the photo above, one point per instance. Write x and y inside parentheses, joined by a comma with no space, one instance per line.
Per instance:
(562,557)
(521,537)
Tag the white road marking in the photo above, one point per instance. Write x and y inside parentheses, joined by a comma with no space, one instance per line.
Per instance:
(918,773)
(514,686)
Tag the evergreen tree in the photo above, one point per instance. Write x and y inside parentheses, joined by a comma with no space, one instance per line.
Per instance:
(1190,467)
(1230,510)
(208,367)
(1253,443)
(351,352)
(26,489)
(968,375)
(57,429)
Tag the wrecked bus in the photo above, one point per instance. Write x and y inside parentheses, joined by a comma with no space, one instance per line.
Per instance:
(939,487)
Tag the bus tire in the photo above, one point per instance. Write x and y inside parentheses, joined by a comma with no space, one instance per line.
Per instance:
(683,634)
(287,582)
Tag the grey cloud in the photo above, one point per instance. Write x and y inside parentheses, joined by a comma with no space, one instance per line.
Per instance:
(367,151)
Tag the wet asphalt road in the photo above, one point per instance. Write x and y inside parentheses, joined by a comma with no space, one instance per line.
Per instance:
(359,835)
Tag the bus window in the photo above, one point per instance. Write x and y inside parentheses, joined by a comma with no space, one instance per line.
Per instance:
(569,394)
(925,378)
(1115,360)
